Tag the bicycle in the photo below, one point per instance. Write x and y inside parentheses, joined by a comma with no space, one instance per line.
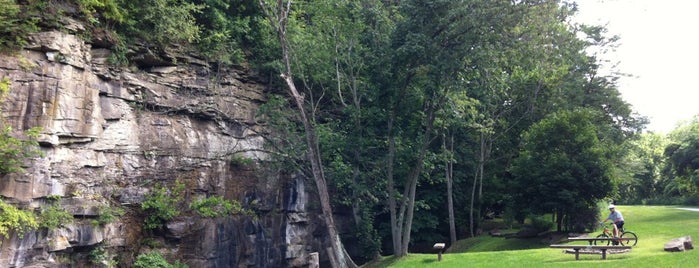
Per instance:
(606,233)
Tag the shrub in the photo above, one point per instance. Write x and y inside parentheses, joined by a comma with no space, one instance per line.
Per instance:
(13,151)
(101,257)
(53,216)
(162,205)
(14,219)
(155,260)
(541,223)
(215,206)
(161,22)
(15,25)
(107,214)
(239,161)
(584,218)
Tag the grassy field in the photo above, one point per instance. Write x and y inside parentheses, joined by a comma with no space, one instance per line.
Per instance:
(654,225)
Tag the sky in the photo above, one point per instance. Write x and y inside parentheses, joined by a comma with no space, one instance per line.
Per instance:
(659,49)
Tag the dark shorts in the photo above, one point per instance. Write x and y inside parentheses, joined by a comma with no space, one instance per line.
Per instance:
(619,225)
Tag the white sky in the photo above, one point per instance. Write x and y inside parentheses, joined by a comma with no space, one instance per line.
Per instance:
(659,48)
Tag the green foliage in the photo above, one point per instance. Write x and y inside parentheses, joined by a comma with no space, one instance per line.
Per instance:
(541,223)
(225,28)
(155,260)
(215,206)
(13,151)
(4,87)
(161,22)
(108,9)
(562,166)
(108,214)
(640,169)
(150,242)
(162,205)
(118,56)
(14,219)
(683,158)
(53,216)
(16,23)
(100,256)
(241,160)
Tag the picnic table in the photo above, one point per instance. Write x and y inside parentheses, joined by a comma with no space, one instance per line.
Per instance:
(577,249)
(590,240)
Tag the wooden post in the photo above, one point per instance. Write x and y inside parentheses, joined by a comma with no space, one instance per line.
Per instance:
(439,247)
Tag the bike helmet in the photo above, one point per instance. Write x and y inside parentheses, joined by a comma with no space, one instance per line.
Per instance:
(611,206)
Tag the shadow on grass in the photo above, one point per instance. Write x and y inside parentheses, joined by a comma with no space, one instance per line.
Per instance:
(428,261)
(384,262)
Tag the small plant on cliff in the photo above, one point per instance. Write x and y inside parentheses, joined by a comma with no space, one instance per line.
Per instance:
(155,260)
(13,151)
(14,219)
(101,257)
(53,216)
(162,205)
(238,160)
(107,214)
(4,85)
(215,206)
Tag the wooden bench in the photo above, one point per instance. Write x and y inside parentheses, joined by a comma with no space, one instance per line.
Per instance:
(590,240)
(577,249)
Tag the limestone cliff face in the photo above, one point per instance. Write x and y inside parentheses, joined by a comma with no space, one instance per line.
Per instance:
(111,134)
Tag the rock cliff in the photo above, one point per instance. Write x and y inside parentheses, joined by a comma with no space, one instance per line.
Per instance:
(111,134)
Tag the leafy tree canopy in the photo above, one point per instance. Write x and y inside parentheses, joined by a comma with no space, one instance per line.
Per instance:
(562,165)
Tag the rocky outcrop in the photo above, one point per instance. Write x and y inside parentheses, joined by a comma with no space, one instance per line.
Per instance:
(109,134)
(679,244)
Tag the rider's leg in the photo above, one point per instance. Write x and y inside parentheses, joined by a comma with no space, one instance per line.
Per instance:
(616,230)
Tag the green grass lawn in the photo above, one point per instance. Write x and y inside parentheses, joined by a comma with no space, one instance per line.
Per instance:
(654,225)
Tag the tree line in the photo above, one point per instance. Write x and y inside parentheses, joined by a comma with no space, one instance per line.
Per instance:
(419,118)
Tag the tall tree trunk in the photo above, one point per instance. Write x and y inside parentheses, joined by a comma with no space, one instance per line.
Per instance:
(392,206)
(450,182)
(279,18)
(415,175)
(485,143)
(476,179)
(559,220)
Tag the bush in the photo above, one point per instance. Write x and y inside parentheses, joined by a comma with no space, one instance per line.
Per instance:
(162,205)
(215,206)
(584,218)
(107,214)
(541,223)
(14,219)
(155,260)
(15,25)
(13,151)
(160,22)
(53,216)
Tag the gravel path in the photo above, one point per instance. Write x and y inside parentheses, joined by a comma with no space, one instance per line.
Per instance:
(691,209)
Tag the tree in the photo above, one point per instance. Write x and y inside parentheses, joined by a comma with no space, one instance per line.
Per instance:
(562,166)
(278,14)
(430,46)
(683,158)
(639,171)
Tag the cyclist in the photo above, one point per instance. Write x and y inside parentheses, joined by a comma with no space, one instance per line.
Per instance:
(616,218)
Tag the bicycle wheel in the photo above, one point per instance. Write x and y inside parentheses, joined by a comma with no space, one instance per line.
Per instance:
(632,235)
(602,242)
